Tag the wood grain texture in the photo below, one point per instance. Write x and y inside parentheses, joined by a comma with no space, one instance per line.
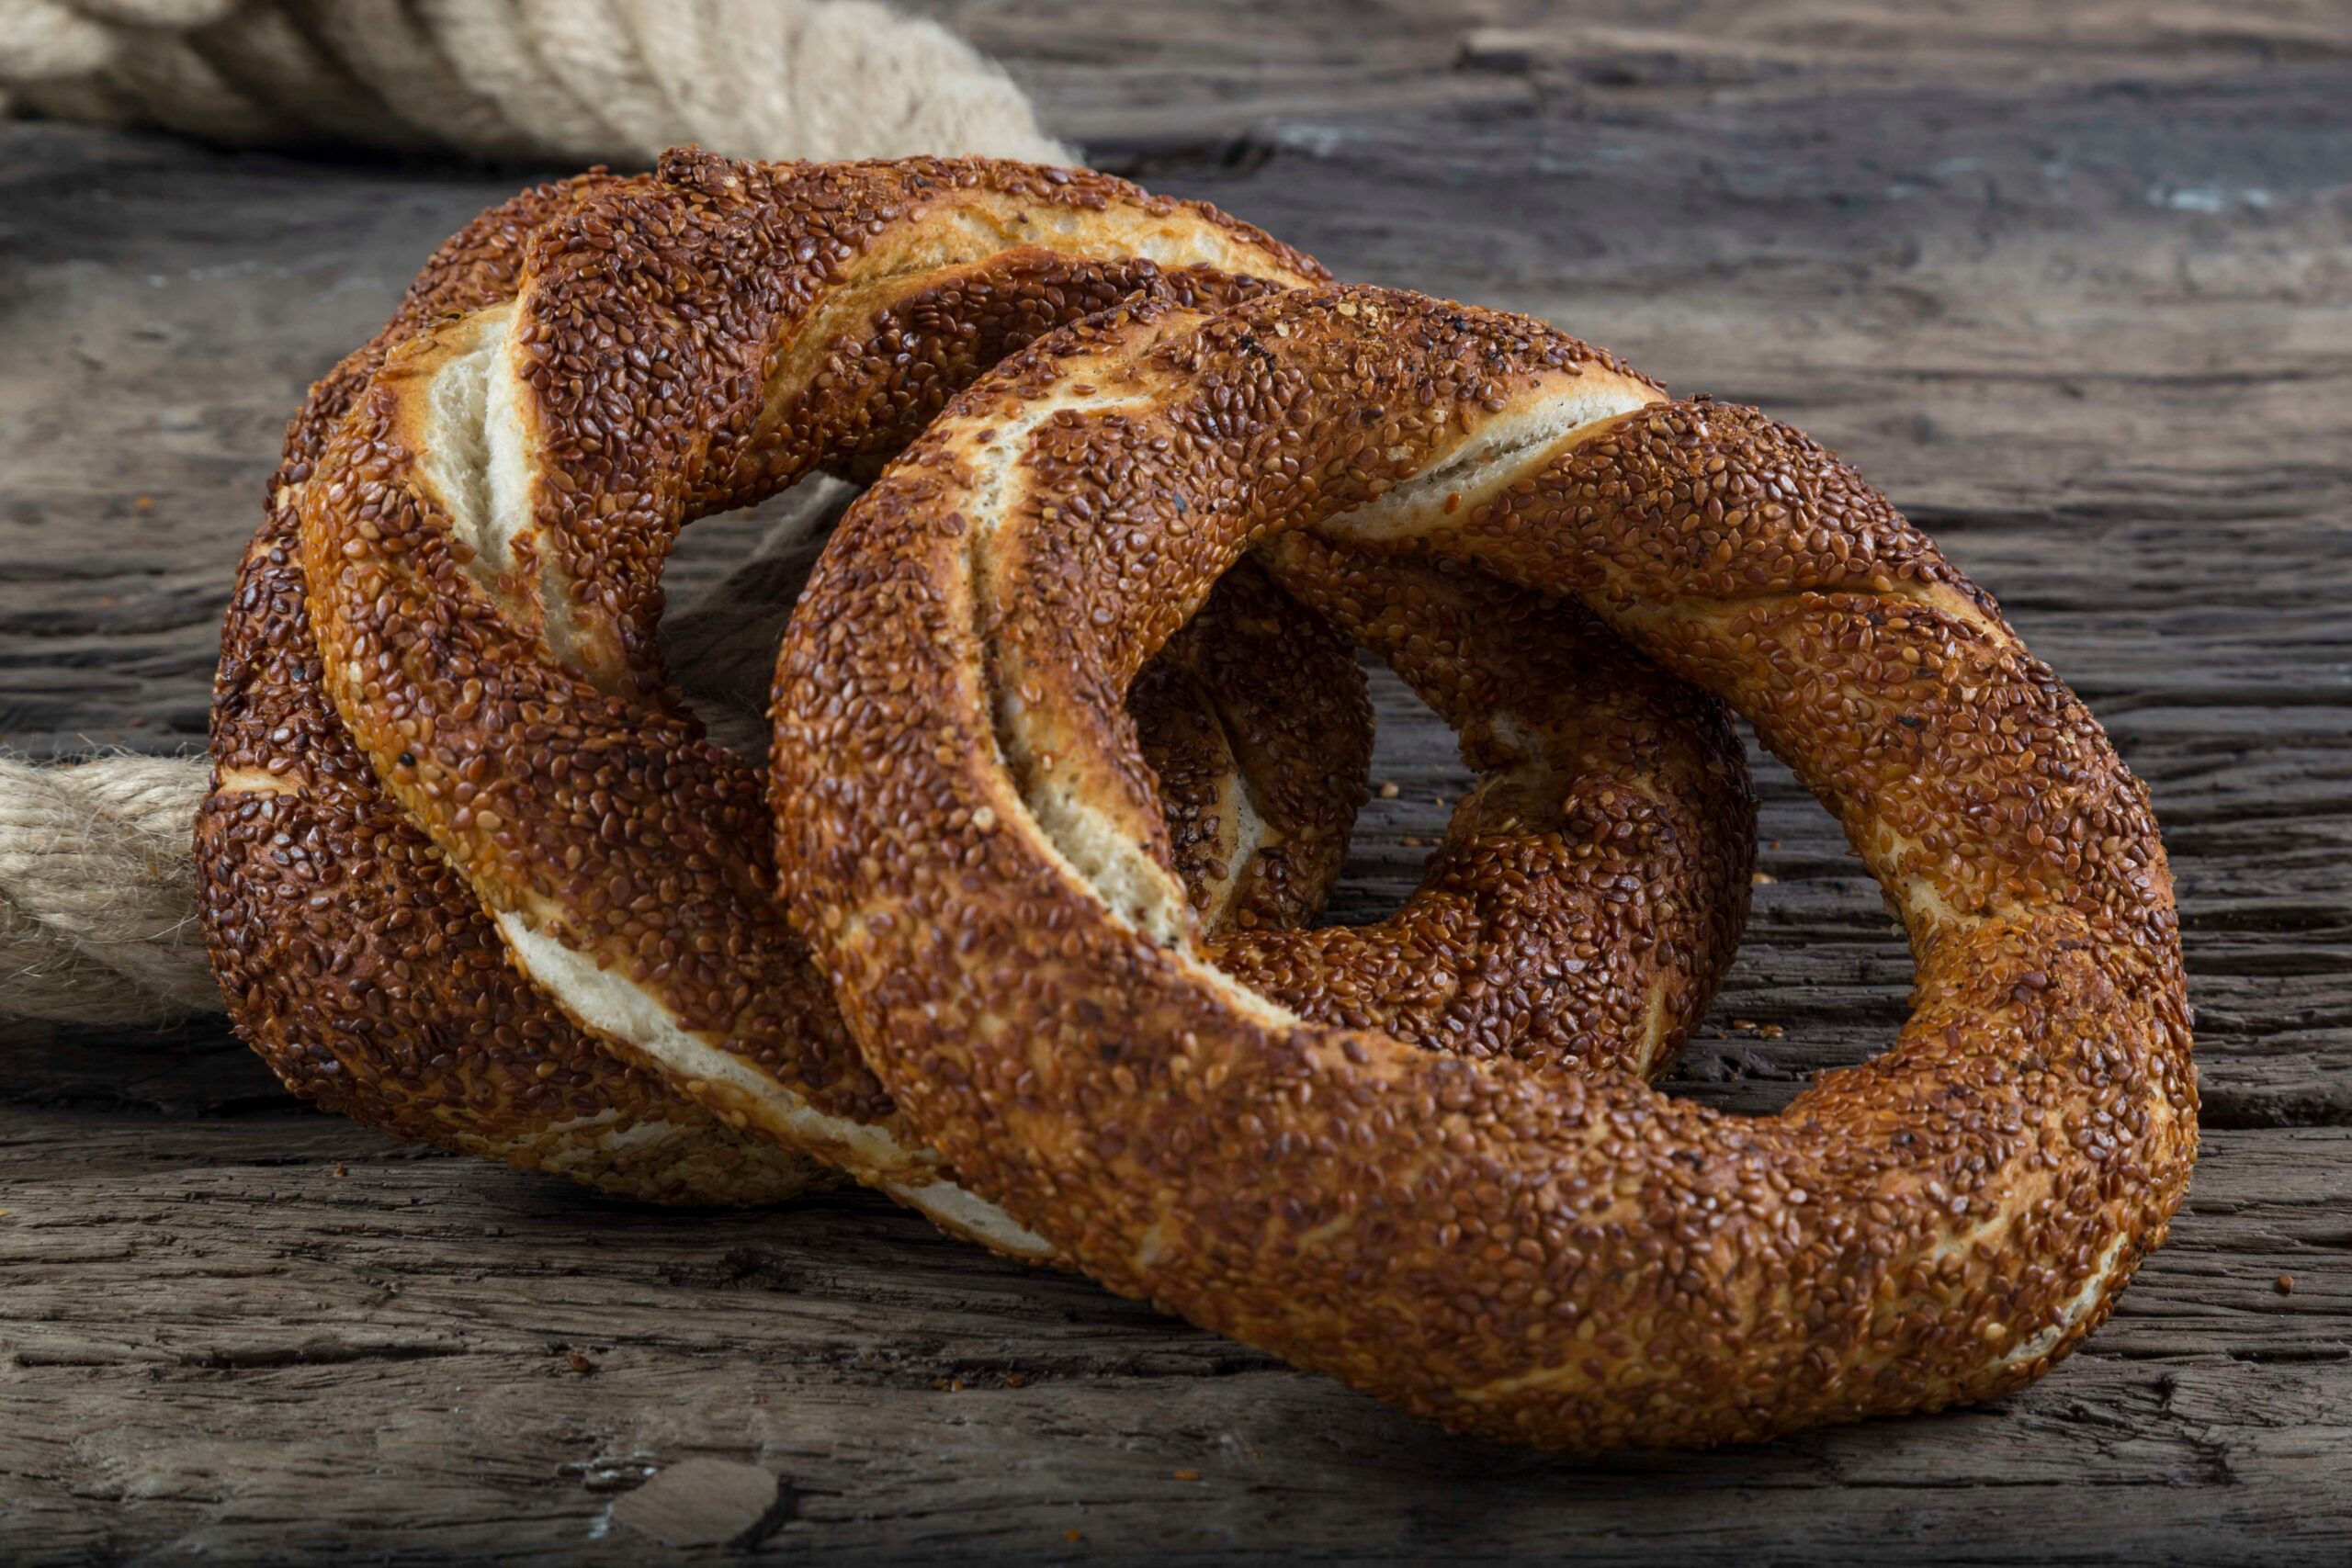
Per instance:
(2072,292)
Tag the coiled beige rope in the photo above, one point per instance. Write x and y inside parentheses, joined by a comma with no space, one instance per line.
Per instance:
(96,887)
(582,81)
(97,892)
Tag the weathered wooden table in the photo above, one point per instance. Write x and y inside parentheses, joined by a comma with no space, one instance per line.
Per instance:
(2075,292)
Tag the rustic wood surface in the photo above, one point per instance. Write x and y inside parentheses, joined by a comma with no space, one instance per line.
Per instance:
(2069,283)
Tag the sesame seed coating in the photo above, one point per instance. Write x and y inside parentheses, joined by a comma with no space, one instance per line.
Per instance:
(1259,787)
(470,852)
(353,959)
(1561,1257)
(1592,888)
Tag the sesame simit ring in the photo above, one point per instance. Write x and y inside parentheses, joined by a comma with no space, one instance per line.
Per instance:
(1565,1258)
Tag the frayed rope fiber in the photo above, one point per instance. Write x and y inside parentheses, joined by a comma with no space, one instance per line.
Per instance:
(581,81)
(98,891)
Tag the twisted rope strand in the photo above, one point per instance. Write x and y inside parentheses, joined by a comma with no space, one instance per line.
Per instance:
(611,81)
(98,891)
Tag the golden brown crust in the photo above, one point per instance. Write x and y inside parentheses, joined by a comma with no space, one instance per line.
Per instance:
(1257,724)
(486,615)
(353,960)
(1592,888)
(496,486)
(1564,1259)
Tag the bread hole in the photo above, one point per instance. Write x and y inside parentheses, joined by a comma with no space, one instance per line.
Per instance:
(731,581)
